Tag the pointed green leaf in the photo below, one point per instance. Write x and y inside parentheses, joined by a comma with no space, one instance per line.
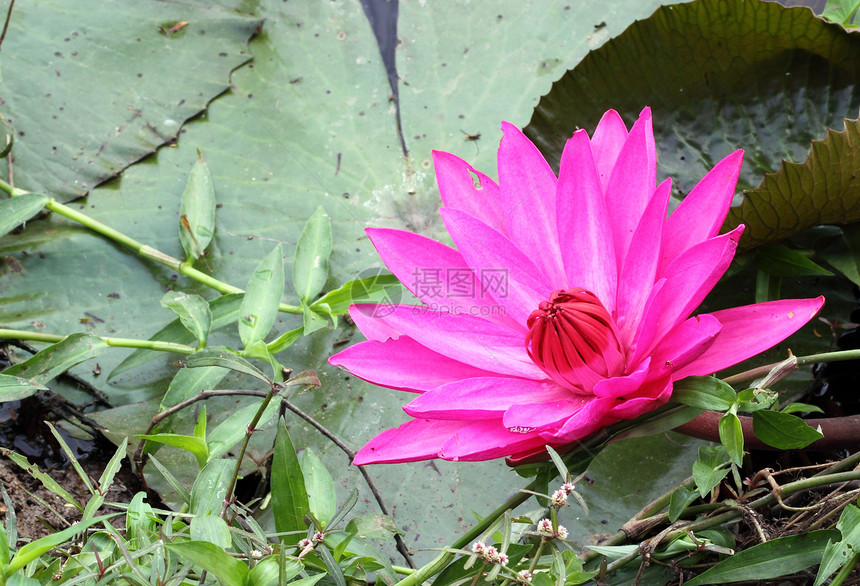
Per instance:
(841,11)
(35,549)
(783,431)
(319,486)
(56,359)
(231,431)
(197,211)
(704,392)
(187,382)
(285,340)
(225,311)
(17,210)
(262,297)
(310,267)
(225,359)
(312,321)
(289,496)
(782,261)
(13,388)
(212,529)
(230,571)
(682,498)
(732,437)
(383,288)
(195,445)
(782,556)
(210,487)
(838,553)
(710,468)
(45,479)
(193,312)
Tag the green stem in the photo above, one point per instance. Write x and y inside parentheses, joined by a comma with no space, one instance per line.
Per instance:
(434,567)
(114,342)
(228,497)
(761,371)
(143,250)
(403,571)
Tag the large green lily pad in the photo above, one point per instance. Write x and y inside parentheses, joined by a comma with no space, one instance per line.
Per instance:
(722,75)
(92,86)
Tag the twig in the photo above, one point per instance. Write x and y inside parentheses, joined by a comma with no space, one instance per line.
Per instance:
(401,546)
(6,24)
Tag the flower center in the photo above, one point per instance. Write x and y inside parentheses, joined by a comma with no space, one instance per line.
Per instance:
(573,339)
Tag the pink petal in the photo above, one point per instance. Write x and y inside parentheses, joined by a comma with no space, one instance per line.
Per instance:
(459,190)
(639,269)
(653,395)
(481,398)
(507,273)
(632,183)
(486,440)
(403,364)
(623,386)
(689,279)
(472,340)
(543,414)
(583,223)
(527,187)
(702,212)
(606,143)
(751,329)
(367,317)
(435,273)
(685,343)
(419,439)
(591,417)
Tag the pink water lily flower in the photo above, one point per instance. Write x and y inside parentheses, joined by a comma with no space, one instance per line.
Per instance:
(565,305)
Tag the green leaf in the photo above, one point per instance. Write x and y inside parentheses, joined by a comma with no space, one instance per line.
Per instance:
(225,311)
(285,340)
(659,424)
(14,211)
(266,572)
(381,288)
(230,571)
(310,267)
(782,556)
(4,551)
(189,381)
(56,359)
(262,297)
(704,392)
(683,497)
(838,553)
(319,486)
(67,145)
(210,487)
(782,65)
(312,321)
(197,211)
(732,437)
(710,468)
(224,358)
(35,549)
(14,388)
(140,525)
(48,482)
(193,312)
(782,261)
(841,11)
(195,445)
(212,529)
(373,525)
(783,431)
(289,497)
(802,408)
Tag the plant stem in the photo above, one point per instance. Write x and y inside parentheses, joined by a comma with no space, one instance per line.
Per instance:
(114,342)
(761,371)
(228,497)
(435,566)
(143,250)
